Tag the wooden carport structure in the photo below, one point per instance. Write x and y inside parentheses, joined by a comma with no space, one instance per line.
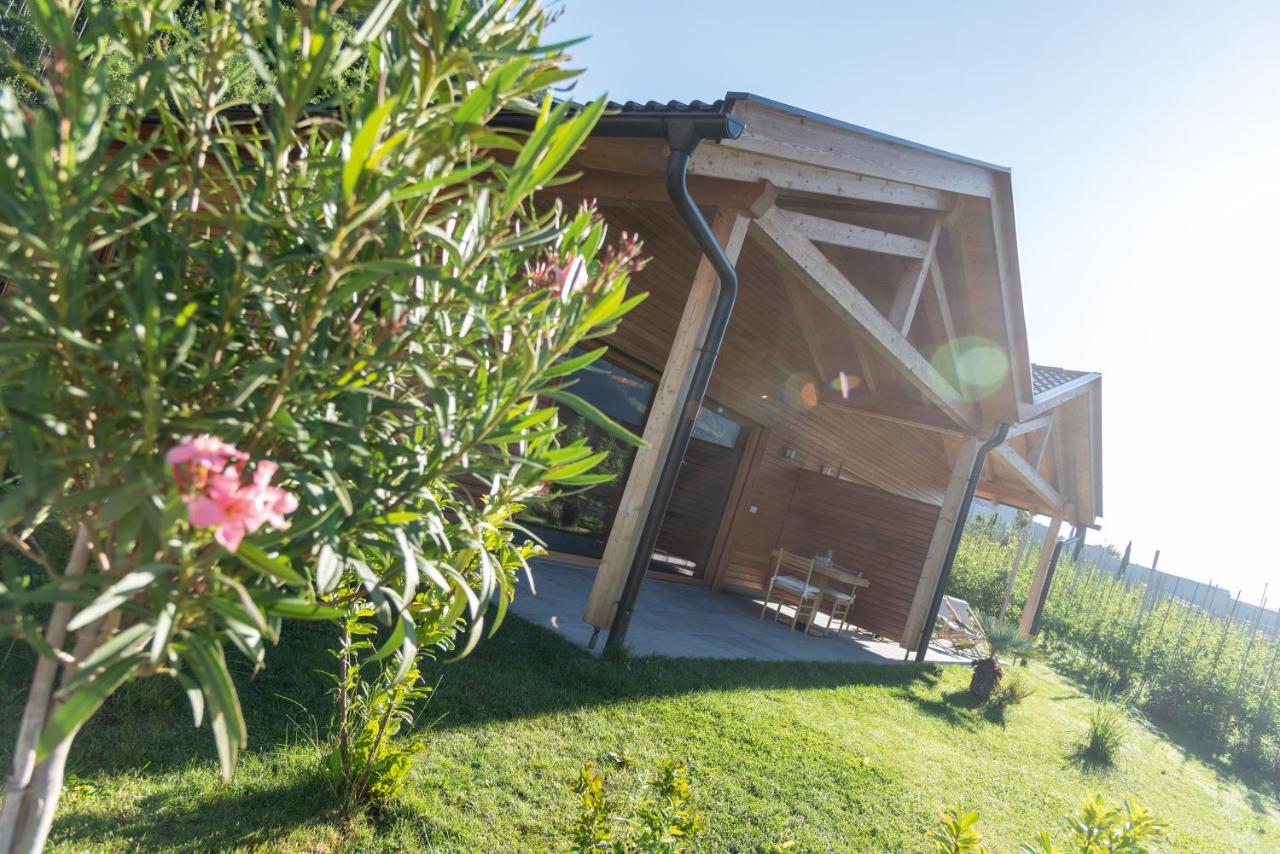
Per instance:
(877,342)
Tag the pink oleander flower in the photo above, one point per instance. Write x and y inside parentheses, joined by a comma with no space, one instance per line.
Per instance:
(204,450)
(572,277)
(195,458)
(218,498)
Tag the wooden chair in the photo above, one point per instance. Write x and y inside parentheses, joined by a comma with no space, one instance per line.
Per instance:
(842,603)
(792,582)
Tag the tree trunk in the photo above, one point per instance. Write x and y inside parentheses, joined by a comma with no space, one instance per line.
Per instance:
(986,676)
(32,790)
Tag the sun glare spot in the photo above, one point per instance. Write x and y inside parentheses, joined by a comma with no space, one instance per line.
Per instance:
(800,391)
(845,383)
(976,366)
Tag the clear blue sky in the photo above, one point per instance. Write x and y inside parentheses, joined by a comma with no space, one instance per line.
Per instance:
(1145,145)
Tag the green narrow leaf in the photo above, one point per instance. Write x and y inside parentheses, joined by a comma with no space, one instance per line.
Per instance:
(119,646)
(82,703)
(362,144)
(577,363)
(119,593)
(225,717)
(194,696)
(273,567)
(595,416)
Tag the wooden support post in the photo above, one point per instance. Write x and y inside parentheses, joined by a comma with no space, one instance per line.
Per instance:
(730,227)
(1017,562)
(1042,570)
(918,620)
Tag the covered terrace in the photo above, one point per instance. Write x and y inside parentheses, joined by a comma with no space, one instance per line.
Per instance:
(877,345)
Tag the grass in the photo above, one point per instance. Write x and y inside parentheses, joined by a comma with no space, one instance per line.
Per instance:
(1105,734)
(832,757)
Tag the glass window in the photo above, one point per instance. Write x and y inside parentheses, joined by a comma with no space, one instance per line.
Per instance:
(579,523)
(716,428)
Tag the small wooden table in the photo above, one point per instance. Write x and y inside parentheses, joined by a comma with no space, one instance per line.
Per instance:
(823,576)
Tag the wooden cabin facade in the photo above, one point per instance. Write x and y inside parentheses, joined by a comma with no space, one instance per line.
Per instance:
(877,341)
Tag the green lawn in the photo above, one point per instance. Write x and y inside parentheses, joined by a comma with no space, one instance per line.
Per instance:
(834,757)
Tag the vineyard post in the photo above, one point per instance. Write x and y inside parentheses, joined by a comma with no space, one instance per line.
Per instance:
(1253,633)
(1226,629)
(1266,689)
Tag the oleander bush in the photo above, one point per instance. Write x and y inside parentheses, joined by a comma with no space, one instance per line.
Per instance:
(282,337)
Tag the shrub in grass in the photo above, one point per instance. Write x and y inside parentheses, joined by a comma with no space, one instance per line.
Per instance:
(663,818)
(1098,827)
(1012,691)
(958,834)
(1105,733)
(294,359)
(1000,638)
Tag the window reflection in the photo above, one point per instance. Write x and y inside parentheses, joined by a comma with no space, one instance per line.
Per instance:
(579,523)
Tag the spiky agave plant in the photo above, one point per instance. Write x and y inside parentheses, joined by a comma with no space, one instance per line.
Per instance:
(999,639)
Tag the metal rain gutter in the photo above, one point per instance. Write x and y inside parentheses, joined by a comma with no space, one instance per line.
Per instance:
(683,130)
(957,532)
(683,138)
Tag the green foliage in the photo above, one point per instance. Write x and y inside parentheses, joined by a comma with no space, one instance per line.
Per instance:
(1001,639)
(375,699)
(665,818)
(1096,828)
(958,834)
(364,293)
(1011,692)
(1105,734)
(980,573)
(1099,827)
(1190,671)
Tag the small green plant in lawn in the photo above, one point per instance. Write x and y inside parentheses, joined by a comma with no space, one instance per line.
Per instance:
(958,834)
(1105,733)
(1097,827)
(375,700)
(1012,692)
(1100,827)
(1000,638)
(663,818)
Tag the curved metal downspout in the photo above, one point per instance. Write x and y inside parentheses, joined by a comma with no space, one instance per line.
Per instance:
(957,532)
(683,138)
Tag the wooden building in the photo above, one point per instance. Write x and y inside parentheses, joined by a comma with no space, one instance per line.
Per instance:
(877,341)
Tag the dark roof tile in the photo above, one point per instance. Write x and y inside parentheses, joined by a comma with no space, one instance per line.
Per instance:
(1045,379)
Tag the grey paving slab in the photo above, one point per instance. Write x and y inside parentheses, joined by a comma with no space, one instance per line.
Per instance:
(682,621)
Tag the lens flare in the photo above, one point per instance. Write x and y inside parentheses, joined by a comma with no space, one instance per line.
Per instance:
(800,391)
(977,367)
(845,383)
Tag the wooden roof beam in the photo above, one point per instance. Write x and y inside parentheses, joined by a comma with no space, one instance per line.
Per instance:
(718,161)
(1028,474)
(712,160)
(621,188)
(855,236)
(791,136)
(907,298)
(800,254)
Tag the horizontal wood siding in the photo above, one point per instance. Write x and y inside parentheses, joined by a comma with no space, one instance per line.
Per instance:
(881,535)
